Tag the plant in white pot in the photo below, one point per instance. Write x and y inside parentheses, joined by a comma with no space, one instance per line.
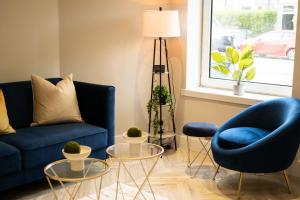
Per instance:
(134,136)
(76,154)
(239,66)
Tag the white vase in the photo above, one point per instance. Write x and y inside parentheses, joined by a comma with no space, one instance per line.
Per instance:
(135,148)
(239,90)
(77,159)
(77,165)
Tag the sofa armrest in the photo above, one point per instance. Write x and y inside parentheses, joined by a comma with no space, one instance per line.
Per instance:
(97,106)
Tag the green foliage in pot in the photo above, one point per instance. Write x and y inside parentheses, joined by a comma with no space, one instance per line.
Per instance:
(165,95)
(239,66)
(72,147)
(153,105)
(134,132)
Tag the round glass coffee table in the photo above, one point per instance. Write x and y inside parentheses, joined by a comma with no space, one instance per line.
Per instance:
(61,171)
(124,152)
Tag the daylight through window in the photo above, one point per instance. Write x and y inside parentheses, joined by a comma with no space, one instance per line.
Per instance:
(268,25)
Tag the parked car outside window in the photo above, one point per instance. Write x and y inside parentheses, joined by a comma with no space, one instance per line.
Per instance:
(274,44)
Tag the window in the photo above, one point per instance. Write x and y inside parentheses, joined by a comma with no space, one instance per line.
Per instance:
(267,25)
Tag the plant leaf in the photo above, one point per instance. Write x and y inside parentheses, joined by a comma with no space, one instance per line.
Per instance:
(236,74)
(247,52)
(217,57)
(232,55)
(251,74)
(221,68)
(245,63)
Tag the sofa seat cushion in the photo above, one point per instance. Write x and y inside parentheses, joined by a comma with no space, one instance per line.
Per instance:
(234,138)
(43,144)
(10,159)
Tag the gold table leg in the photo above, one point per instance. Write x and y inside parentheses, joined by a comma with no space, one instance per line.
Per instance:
(147,179)
(144,170)
(118,179)
(72,194)
(139,187)
(98,189)
(130,175)
(189,151)
(51,187)
(207,154)
(194,159)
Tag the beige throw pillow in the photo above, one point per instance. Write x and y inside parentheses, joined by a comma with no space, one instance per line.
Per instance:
(54,103)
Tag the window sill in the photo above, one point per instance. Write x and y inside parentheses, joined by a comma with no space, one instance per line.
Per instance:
(225,96)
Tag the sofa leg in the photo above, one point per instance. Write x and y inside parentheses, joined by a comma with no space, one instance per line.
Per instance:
(240,185)
(217,170)
(287,181)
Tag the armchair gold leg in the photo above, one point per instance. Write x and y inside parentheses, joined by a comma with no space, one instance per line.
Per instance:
(287,181)
(240,185)
(217,170)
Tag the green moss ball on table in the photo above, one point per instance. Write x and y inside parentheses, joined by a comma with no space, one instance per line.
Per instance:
(72,147)
(134,132)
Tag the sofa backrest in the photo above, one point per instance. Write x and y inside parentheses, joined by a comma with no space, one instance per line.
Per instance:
(19,103)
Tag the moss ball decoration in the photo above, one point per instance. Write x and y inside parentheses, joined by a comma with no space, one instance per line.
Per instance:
(134,132)
(72,147)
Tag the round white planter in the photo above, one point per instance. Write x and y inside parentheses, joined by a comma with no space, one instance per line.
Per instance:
(77,159)
(135,142)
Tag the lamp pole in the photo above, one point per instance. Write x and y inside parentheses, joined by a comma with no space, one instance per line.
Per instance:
(163,30)
(160,83)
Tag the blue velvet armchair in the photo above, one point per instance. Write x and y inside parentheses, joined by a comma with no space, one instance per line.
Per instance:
(263,138)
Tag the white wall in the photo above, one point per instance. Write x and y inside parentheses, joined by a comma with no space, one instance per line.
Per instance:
(101,42)
(28,39)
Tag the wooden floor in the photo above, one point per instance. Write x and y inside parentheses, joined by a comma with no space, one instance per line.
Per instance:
(171,180)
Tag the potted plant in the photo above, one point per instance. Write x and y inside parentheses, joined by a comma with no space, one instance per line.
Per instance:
(239,66)
(153,105)
(135,135)
(76,153)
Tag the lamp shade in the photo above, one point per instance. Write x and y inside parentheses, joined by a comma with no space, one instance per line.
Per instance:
(163,23)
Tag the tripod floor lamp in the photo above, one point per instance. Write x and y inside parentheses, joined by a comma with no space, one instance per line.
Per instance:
(161,24)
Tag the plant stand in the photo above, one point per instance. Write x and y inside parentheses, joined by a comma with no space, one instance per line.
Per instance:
(161,133)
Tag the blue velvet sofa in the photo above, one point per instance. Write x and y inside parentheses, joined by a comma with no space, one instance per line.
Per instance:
(24,155)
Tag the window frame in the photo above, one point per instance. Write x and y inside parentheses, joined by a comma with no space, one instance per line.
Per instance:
(205,79)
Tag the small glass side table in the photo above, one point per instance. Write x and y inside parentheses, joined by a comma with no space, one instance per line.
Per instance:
(124,152)
(61,171)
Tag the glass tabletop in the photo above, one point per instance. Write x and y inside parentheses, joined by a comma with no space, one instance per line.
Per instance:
(61,170)
(127,151)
